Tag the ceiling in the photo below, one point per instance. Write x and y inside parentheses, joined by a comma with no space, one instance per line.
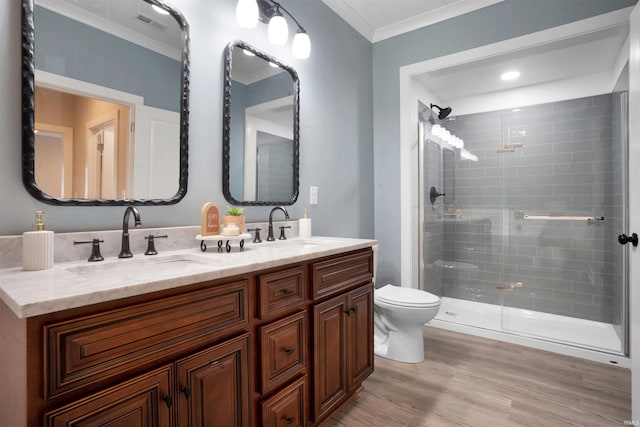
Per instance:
(381,19)
(588,54)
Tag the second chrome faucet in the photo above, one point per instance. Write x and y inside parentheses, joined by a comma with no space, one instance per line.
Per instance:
(125,251)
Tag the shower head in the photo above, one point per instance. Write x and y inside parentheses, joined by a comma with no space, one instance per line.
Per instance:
(442,112)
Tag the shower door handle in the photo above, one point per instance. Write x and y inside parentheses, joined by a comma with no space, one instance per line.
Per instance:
(623,239)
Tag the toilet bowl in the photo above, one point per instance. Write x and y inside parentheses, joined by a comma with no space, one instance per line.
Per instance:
(400,314)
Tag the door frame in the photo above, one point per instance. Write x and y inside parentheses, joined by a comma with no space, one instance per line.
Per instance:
(91,157)
(634,210)
(67,153)
(79,87)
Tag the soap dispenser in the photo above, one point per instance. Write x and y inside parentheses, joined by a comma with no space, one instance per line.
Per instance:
(37,246)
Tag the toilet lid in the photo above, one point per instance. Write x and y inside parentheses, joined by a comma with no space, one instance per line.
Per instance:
(408,297)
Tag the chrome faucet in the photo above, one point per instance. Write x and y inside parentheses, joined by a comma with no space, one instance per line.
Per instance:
(286,215)
(125,252)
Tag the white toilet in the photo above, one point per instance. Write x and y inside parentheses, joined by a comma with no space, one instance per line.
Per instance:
(400,315)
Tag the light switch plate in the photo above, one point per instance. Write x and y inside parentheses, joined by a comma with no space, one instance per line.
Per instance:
(313,195)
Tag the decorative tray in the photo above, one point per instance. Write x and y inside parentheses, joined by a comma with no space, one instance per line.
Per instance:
(221,239)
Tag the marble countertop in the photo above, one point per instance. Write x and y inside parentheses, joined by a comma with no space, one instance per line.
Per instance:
(76,284)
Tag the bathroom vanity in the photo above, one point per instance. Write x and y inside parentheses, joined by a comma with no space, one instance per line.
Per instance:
(280,334)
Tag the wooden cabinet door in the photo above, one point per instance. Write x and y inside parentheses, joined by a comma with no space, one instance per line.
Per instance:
(144,401)
(330,383)
(360,335)
(213,386)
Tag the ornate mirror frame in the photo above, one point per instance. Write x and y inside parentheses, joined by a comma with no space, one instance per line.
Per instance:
(226,128)
(28,117)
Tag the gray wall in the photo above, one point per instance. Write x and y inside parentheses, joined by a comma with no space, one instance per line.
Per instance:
(498,22)
(72,49)
(335,116)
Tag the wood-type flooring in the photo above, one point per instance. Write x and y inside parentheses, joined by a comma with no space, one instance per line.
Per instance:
(473,381)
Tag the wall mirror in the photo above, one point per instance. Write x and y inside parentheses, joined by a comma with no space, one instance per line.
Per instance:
(105,102)
(260,132)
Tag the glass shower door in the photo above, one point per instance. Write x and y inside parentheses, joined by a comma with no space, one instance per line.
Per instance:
(563,202)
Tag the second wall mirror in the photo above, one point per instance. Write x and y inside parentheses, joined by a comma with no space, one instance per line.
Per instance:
(105,102)
(261,128)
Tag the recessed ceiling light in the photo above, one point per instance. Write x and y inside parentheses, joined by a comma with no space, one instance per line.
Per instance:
(510,75)
(160,10)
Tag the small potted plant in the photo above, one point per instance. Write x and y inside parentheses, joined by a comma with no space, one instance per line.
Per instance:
(234,216)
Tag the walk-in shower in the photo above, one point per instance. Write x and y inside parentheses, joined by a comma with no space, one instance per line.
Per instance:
(521,237)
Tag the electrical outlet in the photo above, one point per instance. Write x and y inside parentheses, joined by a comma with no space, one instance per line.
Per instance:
(313,195)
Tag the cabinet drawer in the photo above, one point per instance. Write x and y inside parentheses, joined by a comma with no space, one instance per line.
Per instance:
(281,291)
(338,274)
(135,402)
(90,349)
(286,408)
(282,346)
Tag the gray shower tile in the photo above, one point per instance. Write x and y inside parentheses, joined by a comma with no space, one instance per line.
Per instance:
(573,147)
(572,104)
(590,134)
(553,137)
(573,125)
(553,283)
(572,297)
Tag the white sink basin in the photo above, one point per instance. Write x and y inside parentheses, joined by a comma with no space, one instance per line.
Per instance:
(308,243)
(148,266)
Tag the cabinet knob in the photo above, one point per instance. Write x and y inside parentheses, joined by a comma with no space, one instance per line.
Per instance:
(289,420)
(287,291)
(348,311)
(168,400)
(186,390)
(288,350)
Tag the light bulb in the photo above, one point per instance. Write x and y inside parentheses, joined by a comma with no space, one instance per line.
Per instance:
(301,45)
(278,31)
(247,13)
(510,75)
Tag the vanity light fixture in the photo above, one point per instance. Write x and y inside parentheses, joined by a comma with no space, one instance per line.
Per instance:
(510,75)
(249,12)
